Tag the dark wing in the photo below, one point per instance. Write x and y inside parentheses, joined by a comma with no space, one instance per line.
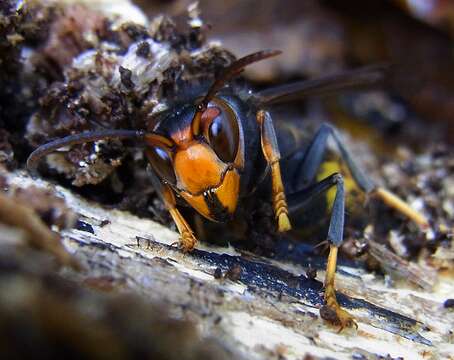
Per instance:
(363,78)
(235,69)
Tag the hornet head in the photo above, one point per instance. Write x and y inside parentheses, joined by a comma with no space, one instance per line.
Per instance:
(201,157)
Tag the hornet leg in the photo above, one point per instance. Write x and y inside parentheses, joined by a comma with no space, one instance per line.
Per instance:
(331,311)
(335,238)
(272,155)
(314,157)
(187,238)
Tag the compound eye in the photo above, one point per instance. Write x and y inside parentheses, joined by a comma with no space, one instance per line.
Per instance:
(223,133)
(161,162)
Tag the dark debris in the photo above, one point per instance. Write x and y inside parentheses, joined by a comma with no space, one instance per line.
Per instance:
(218,273)
(234,272)
(116,81)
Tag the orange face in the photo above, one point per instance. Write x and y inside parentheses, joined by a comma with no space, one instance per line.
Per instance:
(210,185)
(202,165)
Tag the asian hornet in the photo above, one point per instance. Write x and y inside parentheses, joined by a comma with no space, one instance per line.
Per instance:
(213,150)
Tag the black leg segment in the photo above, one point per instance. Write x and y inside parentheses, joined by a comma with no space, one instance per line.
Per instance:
(336,223)
(300,199)
(313,158)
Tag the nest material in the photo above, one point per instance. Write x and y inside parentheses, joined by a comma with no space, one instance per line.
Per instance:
(103,76)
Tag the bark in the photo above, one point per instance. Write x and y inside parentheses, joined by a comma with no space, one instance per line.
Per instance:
(256,307)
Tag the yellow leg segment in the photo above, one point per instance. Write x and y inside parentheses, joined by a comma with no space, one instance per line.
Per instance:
(401,206)
(187,237)
(271,153)
(279,200)
(332,311)
(187,240)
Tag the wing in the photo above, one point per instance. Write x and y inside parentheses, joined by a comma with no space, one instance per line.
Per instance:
(363,78)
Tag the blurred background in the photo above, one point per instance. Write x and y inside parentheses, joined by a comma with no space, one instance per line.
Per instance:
(322,37)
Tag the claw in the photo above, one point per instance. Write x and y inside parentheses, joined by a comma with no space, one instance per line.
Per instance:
(187,238)
(332,311)
(187,241)
(337,317)
(176,244)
